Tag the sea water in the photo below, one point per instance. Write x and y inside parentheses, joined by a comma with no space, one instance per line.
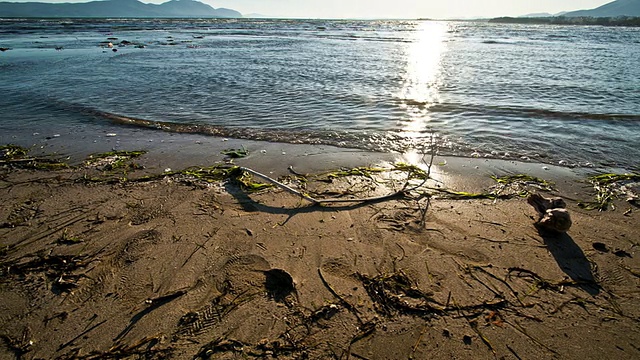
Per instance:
(567,95)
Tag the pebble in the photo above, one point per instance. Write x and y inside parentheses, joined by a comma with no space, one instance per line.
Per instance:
(111,135)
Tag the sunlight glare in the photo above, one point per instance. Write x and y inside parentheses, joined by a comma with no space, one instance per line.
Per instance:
(423,77)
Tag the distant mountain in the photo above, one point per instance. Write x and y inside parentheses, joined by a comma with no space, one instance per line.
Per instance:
(612,9)
(116,9)
(537,15)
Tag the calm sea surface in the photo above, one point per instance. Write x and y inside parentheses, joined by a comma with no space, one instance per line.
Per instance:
(556,94)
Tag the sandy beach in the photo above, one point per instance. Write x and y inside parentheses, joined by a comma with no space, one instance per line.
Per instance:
(100,264)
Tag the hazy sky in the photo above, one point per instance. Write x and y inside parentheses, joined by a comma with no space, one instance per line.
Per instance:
(401,8)
(392,8)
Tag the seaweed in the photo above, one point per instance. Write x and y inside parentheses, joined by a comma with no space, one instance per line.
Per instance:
(209,174)
(236,153)
(15,156)
(49,165)
(609,187)
(114,160)
(608,179)
(509,179)
(463,195)
(245,179)
(12,152)
(60,270)
(518,184)
(213,173)
(396,293)
(218,173)
(357,171)
(414,171)
(124,153)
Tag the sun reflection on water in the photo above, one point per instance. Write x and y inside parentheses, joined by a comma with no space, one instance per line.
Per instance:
(422,80)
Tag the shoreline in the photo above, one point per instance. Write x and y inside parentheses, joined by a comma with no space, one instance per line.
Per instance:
(167,150)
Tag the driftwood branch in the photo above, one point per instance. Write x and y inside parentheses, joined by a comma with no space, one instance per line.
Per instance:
(400,193)
(323,201)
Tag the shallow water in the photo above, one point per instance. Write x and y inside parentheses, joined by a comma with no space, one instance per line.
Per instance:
(556,94)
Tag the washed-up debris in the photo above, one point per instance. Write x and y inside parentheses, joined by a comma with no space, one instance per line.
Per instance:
(114,160)
(358,171)
(415,172)
(552,212)
(236,153)
(16,156)
(611,186)
(11,152)
(19,346)
(397,293)
(519,184)
(62,271)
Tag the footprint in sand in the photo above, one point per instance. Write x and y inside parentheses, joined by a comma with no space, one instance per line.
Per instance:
(243,273)
(341,276)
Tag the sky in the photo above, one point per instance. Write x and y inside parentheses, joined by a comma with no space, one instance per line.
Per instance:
(407,9)
(402,8)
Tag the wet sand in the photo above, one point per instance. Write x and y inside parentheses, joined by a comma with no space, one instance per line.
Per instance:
(181,268)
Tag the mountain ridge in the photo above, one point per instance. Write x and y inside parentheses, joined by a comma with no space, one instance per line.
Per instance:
(115,9)
(615,8)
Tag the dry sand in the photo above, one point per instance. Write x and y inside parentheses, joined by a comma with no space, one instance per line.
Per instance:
(182,269)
